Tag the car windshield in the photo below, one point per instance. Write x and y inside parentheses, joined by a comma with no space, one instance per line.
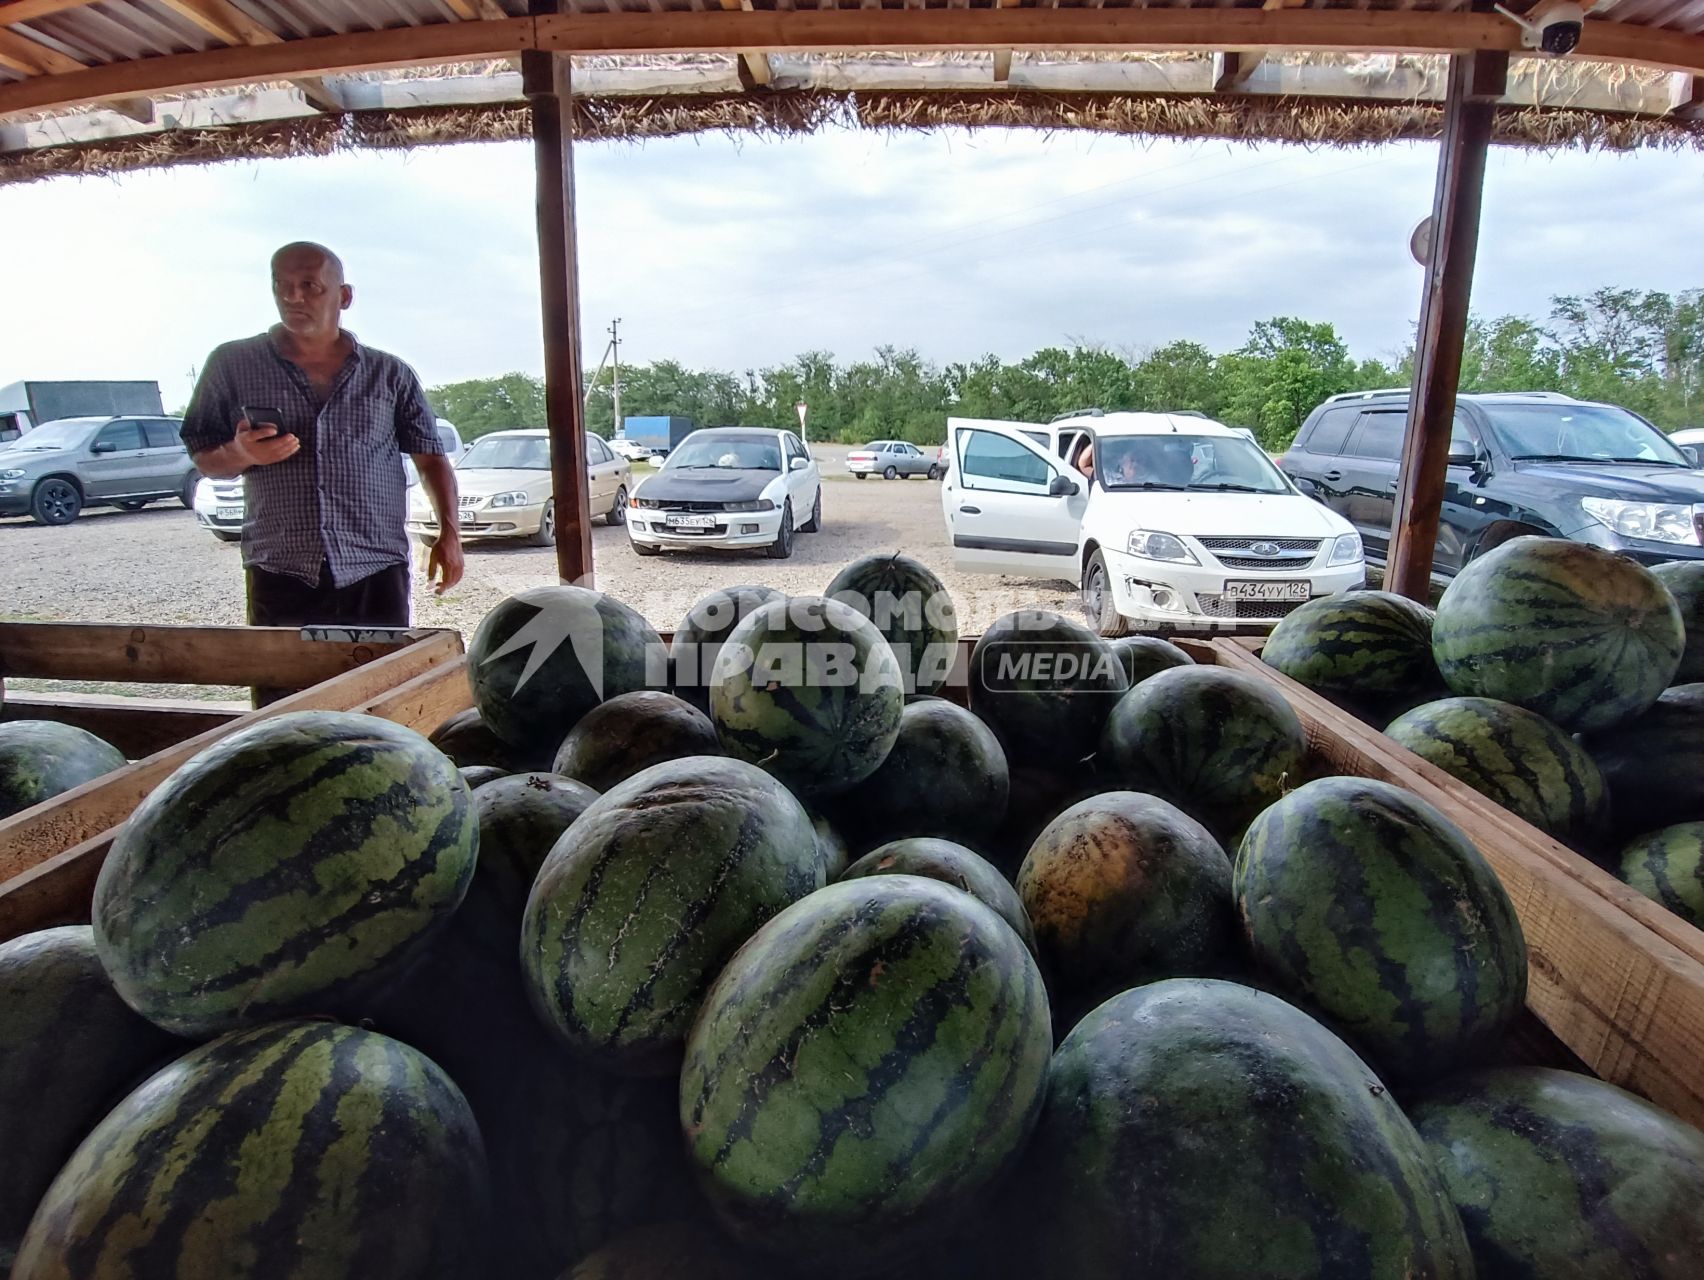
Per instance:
(1557,432)
(64,434)
(1208,464)
(742,453)
(507,453)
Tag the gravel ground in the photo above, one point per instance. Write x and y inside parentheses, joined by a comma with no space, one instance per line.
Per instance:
(157,566)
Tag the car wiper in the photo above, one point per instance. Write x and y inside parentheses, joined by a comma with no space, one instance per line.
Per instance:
(1232,488)
(1649,462)
(1149,484)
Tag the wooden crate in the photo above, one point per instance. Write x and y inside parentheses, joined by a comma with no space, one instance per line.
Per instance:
(51,853)
(1617,978)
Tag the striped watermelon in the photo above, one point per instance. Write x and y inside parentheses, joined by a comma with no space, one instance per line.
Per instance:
(669,1251)
(831,845)
(1045,685)
(468,740)
(288,868)
(1557,1174)
(541,659)
(701,634)
(1144,656)
(69,1049)
(946,776)
(1584,637)
(1685,581)
(40,759)
(633,731)
(1358,642)
(1219,745)
(952,864)
(1667,866)
(809,690)
(1201,1129)
(874,1057)
(297,1151)
(910,607)
(1514,757)
(1652,763)
(1037,797)
(1372,907)
(647,895)
(1123,888)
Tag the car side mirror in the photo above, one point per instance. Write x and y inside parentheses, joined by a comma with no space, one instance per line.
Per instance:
(798,464)
(1463,457)
(103,446)
(1692,454)
(1062,487)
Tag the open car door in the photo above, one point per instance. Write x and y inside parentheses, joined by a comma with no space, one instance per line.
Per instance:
(1010,505)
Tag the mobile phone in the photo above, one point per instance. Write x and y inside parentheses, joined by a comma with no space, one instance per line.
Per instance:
(262,415)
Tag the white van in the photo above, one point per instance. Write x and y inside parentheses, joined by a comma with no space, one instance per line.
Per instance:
(1183,524)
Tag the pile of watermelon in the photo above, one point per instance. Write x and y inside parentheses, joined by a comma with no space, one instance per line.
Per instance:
(1559,680)
(772,961)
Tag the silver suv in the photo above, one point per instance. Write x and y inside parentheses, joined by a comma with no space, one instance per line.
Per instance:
(55,471)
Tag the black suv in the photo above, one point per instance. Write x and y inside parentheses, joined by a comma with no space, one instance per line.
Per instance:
(1520,463)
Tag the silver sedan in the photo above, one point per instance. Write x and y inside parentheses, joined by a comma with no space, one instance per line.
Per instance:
(891,459)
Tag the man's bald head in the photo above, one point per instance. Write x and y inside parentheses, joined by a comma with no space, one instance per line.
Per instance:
(309,288)
(302,252)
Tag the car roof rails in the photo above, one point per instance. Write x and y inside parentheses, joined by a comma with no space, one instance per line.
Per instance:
(1077,413)
(1341,396)
(1526,395)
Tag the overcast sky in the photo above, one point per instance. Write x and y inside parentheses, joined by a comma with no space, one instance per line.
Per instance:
(741,254)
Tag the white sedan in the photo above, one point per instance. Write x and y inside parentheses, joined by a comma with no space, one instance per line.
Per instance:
(730,488)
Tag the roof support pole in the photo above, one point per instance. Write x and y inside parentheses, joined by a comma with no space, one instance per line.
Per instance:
(546,80)
(1476,81)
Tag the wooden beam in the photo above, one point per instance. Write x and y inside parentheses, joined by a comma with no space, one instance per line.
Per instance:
(1686,101)
(754,63)
(1476,80)
(136,726)
(140,110)
(847,30)
(223,21)
(32,58)
(546,79)
(1232,68)
(320,95)
(1002,65)
(475,10)
(13,11)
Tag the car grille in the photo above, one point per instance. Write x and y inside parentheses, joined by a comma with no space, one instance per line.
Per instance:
(471,499)
(1216,606)
(1238,553)
(665,504)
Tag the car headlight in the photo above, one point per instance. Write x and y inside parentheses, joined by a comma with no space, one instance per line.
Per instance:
(762,504)
(1653,521)
(514,498)
(15,473)
(1160,546)
(640,502)
(1346,550)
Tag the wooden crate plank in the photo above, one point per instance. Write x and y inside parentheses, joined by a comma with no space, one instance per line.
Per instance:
(48,828)
(1623,997)
(275,656)
(136,726)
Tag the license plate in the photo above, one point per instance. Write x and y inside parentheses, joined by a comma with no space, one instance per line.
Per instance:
(227,513)
(675,520)
(1266,591)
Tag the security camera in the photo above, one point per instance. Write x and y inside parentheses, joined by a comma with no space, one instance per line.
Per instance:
(1554,28)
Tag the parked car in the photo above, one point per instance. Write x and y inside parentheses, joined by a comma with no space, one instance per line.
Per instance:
(62,467)
(220,507)
(632,450)
(729,488)
(1185,524)
(506,489)
(1690,438)
(1519,463)
(891,459)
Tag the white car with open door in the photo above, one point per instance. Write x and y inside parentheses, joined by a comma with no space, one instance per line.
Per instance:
(1181,524)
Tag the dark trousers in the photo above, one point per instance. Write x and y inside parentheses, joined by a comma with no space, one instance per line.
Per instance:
(278,600)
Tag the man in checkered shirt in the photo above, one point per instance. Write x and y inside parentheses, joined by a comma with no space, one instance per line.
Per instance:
(324,537)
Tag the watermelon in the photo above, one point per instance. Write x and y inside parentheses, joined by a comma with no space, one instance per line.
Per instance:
(951,864)
(1357,642)
(701,634)
(946,776)
(1122,888)
(1685,581)
(809,690)
(1372,907)
(633,731)
(668,1251)
(646,896)
(541,659)
(1582,636)
(39,759)
(1037,797)
(910,607)
(1219,745)
(69,1049)
(297,1151)
(477,775)
(1557,1174)
(873,1058)
(831,845)
(468,740)
(287,867)
(1652,763)
(1045,685)
(1512,756)
(1144,656)
(1197,1128)
(1667,866)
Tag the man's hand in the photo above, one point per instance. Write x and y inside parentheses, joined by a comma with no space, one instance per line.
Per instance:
(263,445)
(445,564)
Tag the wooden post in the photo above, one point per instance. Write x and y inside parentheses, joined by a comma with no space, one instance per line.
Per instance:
(545,78)
(1476,81)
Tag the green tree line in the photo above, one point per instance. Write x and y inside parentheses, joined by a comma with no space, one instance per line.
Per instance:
(1640,349)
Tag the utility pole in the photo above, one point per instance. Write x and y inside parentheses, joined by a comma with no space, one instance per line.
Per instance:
(615,373)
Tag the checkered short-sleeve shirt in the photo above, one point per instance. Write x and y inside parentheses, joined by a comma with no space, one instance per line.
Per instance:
(341,500)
